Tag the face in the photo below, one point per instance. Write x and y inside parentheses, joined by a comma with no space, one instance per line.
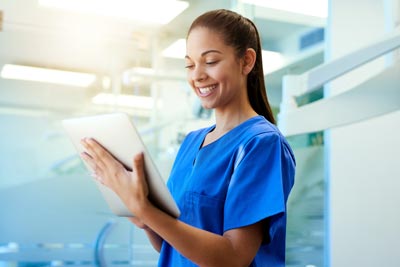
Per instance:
(213,70)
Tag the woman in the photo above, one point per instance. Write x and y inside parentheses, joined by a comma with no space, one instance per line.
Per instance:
(231,181)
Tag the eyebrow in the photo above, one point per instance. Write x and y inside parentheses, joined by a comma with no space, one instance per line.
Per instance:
(207,52)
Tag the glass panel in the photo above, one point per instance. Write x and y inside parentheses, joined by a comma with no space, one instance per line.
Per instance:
(305,228)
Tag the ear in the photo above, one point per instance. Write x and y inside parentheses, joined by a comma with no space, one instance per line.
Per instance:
(249,59)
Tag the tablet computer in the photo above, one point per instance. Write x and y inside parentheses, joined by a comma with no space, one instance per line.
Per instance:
(116,133)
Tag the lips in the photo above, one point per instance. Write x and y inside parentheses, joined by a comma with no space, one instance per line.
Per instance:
(204,91)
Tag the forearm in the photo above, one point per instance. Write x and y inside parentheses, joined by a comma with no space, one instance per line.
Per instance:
(202,247)
(154,238)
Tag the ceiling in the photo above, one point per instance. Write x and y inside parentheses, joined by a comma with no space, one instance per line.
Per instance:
(37,36)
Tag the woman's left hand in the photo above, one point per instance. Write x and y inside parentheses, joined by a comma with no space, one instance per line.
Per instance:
(130,186)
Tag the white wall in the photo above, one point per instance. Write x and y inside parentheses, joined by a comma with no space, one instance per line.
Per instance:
(363,171)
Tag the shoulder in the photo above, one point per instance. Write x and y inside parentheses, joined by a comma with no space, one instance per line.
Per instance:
(262,130)
(264,137)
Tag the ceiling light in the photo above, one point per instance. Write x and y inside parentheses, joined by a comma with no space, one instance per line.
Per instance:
(272,61)
(315,8)
(133,101)
(176,50)
(143,71)
(19,72)
(150,11)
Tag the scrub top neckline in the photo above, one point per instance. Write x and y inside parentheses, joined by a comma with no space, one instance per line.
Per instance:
(225,135)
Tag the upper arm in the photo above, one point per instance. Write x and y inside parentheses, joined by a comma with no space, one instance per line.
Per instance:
(246,241)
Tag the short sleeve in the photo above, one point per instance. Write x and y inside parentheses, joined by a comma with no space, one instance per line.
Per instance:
(257,187)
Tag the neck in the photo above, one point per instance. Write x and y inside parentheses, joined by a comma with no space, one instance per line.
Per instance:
(234,113)
(227,120)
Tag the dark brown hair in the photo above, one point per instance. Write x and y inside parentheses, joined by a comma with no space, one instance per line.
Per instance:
(240,33)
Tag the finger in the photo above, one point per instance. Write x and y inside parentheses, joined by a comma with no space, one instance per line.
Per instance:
(89,161)
(98,153)
(97,178)
(92,166)
(138,164)
(93,147)
(102,155)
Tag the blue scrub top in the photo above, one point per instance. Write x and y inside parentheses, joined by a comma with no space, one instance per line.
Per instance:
(242,178)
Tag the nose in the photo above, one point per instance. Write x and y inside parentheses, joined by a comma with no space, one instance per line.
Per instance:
(198,74)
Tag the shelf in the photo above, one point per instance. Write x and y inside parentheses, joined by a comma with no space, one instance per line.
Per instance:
(377,96)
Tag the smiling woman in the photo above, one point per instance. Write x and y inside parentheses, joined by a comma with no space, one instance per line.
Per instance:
(242,154)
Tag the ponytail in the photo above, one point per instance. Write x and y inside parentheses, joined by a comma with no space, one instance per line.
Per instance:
(256,90)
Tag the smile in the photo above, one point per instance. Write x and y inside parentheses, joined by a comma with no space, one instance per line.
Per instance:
(207,90)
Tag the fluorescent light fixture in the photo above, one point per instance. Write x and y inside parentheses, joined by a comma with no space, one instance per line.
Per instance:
(143,71)
(136,74)
(315,8)
(272,61)
(142,102)
(150,11)
(176,50)
(26,73)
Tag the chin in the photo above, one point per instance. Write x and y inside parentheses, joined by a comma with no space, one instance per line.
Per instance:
(207,106)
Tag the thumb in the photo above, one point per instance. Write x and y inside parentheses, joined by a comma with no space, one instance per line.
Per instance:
(138,164)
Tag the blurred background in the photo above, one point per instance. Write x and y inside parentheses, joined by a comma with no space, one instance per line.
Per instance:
(332,76)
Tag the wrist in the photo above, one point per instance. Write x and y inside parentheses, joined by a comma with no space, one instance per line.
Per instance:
(139,208)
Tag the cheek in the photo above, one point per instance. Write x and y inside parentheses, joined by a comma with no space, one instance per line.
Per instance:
(226,73)
(225,77)
(189,81)
(220,75)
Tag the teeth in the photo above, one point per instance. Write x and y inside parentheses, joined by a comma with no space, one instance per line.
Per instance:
(206,90)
